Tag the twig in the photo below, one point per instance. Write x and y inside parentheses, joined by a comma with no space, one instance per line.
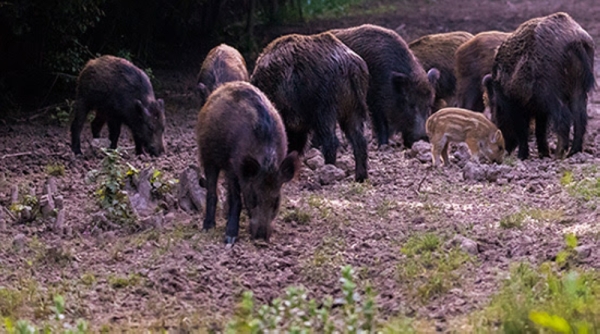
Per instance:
(16,155)
(422,180)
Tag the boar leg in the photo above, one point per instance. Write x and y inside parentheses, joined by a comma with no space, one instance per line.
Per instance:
(235,208)
(578,110)
(97,124)
(437,146)
(114,131)
(296,140)
(380,126)
(541,137)
(81,111)
(353,129)
(325,131)
(522,131)
(211,174)
(445,153)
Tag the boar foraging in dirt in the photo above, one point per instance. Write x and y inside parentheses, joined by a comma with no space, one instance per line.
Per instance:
(437,51)
(461,125)
(544,70)
(120,93)
(474,59)
(222,64)
(240,132)
(314,81)
(400,95)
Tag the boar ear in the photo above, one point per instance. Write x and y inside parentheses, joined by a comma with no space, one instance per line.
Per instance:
(141,109)
(250,167)
(433,75)
(496,136)
(399,81)
(486,82)
(288,167)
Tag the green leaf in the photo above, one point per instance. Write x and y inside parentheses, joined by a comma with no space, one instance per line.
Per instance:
(571,240)
(553,322)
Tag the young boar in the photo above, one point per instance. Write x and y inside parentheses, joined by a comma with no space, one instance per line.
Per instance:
(544,70)
(222,64)
(474,59)
(240,133)
(437,51)
(120,93)
(462,125)
(314,81)
(400,96)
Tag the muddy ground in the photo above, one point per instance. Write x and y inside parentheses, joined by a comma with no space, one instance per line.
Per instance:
(176,276)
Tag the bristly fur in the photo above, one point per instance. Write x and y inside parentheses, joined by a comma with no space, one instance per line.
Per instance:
(400,95)
(437,51)
(315,81)
(544,70)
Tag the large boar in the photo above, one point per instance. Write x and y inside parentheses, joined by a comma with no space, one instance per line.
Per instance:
(474,59)
(222,64)
(400,95)
(120,93)
(314,81)
(462,125)
(437,51)
(544,70)
(240,132)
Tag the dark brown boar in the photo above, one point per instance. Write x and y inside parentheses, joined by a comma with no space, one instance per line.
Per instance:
(240,132)
(314,81)
(400,95)
(222,64)
(544,70)
(120,93)
(437,51)
(474,59)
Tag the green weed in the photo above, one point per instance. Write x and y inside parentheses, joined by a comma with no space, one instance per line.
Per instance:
(428,268)
(296,215)
(295,313)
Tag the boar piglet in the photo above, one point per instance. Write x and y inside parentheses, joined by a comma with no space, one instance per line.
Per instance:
(120,93)
(240,132)
(462,125)
(222,64)
(543,71)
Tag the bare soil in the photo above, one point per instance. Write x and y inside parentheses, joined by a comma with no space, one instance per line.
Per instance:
(181,277)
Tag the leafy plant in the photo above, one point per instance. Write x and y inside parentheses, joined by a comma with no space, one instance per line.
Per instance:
(55,169)
(295,313)
(111,196)
(62,112)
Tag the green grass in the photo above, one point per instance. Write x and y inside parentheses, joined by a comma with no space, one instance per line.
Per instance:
(534,298)
(428,268)
(297,215)
(527,215)
(327,257)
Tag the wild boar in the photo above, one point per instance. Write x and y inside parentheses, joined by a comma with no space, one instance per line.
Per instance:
(222,64)
(462,125)
(120,93)
(314,81)
(400,96)
(474,59)
(240,133)
(544,70)
(437,51)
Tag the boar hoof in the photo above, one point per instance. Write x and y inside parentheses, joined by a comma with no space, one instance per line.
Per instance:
(230,240)
(207,226)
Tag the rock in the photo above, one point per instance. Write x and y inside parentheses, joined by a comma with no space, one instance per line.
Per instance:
(346,164)
(419,148)
(169,217)
(59,202)
(47,206)
(315,162)
(190,195)
(465,244)
(313,152)
(462,152)
(584,251)
(14,194)
(473,172)
(51,188)
(329,174)
(19,241)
